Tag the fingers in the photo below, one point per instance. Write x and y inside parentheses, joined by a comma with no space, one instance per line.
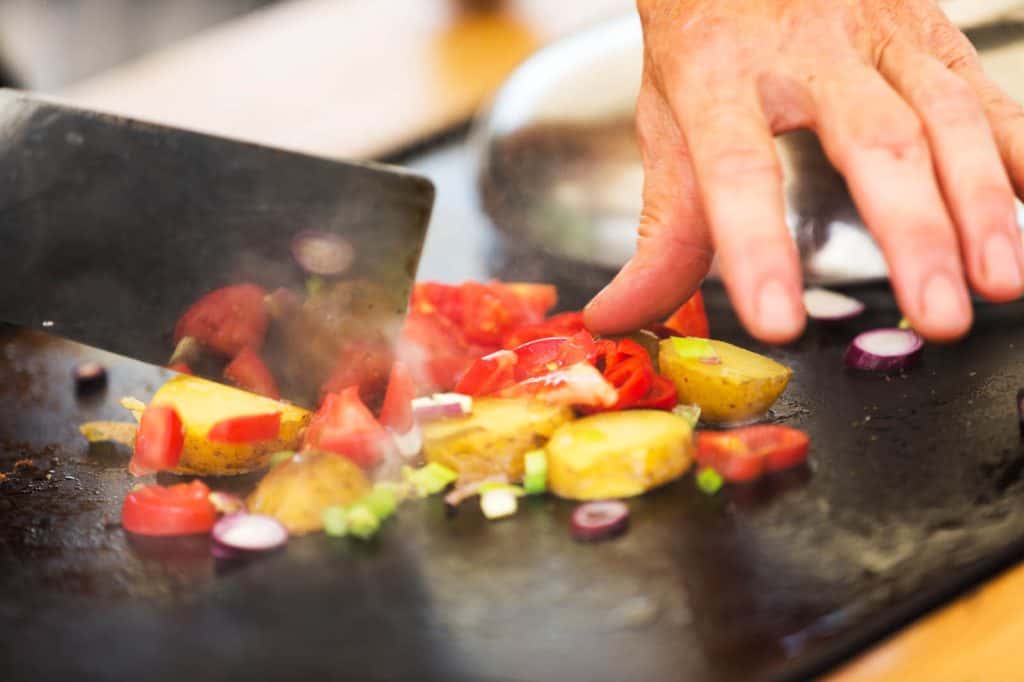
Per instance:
(879,145)
(968,165)
(740,179)
(673,249)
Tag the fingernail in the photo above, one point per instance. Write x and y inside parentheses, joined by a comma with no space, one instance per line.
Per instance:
(999,259)
(776,309)
(942,304)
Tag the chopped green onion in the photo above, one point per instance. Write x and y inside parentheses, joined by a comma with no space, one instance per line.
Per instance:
(401,491)
(488,486)
(280,457)
(535,478)
(691,413)
(362,522)
(693,347)
(904,323)
(382,501)
(709,481)
(431,479)
(498,503)
(314,285)
(335,521)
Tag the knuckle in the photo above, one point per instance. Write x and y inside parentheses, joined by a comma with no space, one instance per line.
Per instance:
(950,45)
(898,136)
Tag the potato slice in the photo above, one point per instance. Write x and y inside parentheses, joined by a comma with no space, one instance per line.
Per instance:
(297,491)
(494,438)
(740,388)
(201,404)
(618,454)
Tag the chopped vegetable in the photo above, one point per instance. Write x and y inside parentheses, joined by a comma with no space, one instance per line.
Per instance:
(362,522)
(249,533)
(464,491)
(280,457)
(410,443)
(543,356)
(249,372)
(884,350)
(335,521)
(497,503)
(382,501)
(226,320)
(248,429)
(397,413)
(488,486)
(618,454)
(114,432)
(535,476)
(662,396)
(690,319)
(579,384)
(226,503)
(829,306)
(182,509)
(740,388)
(904,323)
(489,374)
(430,479)
(322,253)
(709,480)
(343,425)
(158,441)
(315,285)
(599,520)
(441,406)
(561,325)
(297,491)
(691,413)
(89,376)
(744,454)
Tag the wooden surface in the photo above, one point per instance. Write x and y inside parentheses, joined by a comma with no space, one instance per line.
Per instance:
(345,78)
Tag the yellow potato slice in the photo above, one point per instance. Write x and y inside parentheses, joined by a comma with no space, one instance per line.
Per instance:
(739,389)
(494,438)
(618,454)
(201,404)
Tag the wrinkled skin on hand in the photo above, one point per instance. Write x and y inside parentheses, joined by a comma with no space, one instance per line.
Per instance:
(929,146)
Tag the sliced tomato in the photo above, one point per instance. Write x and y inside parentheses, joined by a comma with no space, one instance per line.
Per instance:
(181,368)
(396,413)
(364,365)
(345,426)
(578,385)
(252,428)
(662,395)
(181,509)
(744,454)
(227,320)
(541,356)
(249,372)
(489,374)
(158,441)
(690,319)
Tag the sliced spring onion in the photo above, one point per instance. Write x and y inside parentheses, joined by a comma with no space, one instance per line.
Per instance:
(441,406)
(695,348)
(691,413)
(498,503)
(430,479)
(362,522)
(281,457)
(335,521)
(709,481)
(382,501)
(535,478)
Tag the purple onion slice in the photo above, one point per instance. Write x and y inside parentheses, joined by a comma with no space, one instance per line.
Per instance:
(322,253)
(441,406)
(241,534)
(830,306)
(884,350)
(597,520)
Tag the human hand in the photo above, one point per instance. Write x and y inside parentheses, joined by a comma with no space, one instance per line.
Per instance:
(931,150)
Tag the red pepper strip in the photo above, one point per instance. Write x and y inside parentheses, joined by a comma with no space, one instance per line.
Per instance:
(396,412)
(489,374)
(227,320)
(158,441)
(632,377)
(248,429)
(744,454)
(662,395)
(182,509)
(247,371)
(690,319)
(343,425)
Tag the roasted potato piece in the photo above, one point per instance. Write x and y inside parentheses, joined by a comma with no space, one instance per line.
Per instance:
(738,388)
(493,439)
(618,454)
(201,404)
(296,491)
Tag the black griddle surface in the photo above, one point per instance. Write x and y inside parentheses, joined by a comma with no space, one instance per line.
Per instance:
(913,494)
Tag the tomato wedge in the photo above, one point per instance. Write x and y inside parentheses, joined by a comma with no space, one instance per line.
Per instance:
(248,429)
(489,374)
(181,509)
(249,372)
(227,320)
(343,425)
(744,454)
(396,413)
(158,441)
(690,319)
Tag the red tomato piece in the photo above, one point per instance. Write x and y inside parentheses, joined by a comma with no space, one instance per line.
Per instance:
(743,454)
(564,324)
(364,365)
(662,395)
(537,298)
(435,351)
(541,356)
(181,509)
(343,425)
(158,441)
(396,413)
(181,368)
(489,374)
(249,372)
(579,385)
(248,429)
(690,319)
(227,320)
(488,313)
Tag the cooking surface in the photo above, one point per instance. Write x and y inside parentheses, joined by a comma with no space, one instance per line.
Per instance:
(913,491)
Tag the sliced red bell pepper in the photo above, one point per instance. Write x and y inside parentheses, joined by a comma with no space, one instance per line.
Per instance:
(690,319)
(158,441)
(343,425)
(249,372)
(253,428)
(661,396)
(182,509)
(489,374)
(396,412)
(744,454)
(227,320)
